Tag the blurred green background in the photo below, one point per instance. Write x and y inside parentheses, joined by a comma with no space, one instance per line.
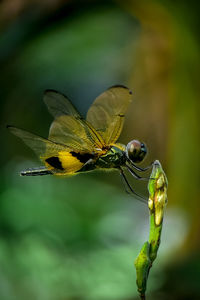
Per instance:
(76,238)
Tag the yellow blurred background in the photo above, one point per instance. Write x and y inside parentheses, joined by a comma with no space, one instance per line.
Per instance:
(76,238)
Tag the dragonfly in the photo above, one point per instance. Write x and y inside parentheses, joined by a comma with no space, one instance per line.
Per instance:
(76,145)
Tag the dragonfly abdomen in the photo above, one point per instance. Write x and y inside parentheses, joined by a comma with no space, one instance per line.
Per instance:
(36,172)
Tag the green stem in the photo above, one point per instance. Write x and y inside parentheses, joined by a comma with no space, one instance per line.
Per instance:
(154,237)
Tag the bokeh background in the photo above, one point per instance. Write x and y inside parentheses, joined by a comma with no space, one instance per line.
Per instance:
(76,238)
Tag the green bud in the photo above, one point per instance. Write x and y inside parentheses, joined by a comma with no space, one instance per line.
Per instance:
(157,192)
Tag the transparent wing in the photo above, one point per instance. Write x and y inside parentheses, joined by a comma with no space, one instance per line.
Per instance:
(58,158)
(69,131)
(69,128)
(107,112)
(58,104)
(42,147)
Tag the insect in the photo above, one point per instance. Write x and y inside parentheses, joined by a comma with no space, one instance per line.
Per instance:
(77,145)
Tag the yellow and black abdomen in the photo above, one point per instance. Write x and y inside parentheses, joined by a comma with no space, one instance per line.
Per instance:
(67,163)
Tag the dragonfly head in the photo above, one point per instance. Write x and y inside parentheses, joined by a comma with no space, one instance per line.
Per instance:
(136,151)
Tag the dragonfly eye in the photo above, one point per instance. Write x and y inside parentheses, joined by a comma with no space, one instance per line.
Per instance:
(136,151)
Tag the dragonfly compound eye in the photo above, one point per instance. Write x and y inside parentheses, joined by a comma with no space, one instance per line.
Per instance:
(136,151)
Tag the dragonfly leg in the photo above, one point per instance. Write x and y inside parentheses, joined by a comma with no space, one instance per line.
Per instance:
(139,168)
(136,175)
(129,188)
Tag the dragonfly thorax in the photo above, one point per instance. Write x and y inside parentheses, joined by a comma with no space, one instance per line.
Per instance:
(114,157)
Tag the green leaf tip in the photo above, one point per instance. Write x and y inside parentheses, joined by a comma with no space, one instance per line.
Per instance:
(142,266)
(157,192)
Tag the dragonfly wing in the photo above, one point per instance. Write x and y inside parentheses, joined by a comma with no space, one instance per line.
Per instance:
(57,157)
(69,128)
(40,145)
(107,112)
(58,104)
(69,131)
